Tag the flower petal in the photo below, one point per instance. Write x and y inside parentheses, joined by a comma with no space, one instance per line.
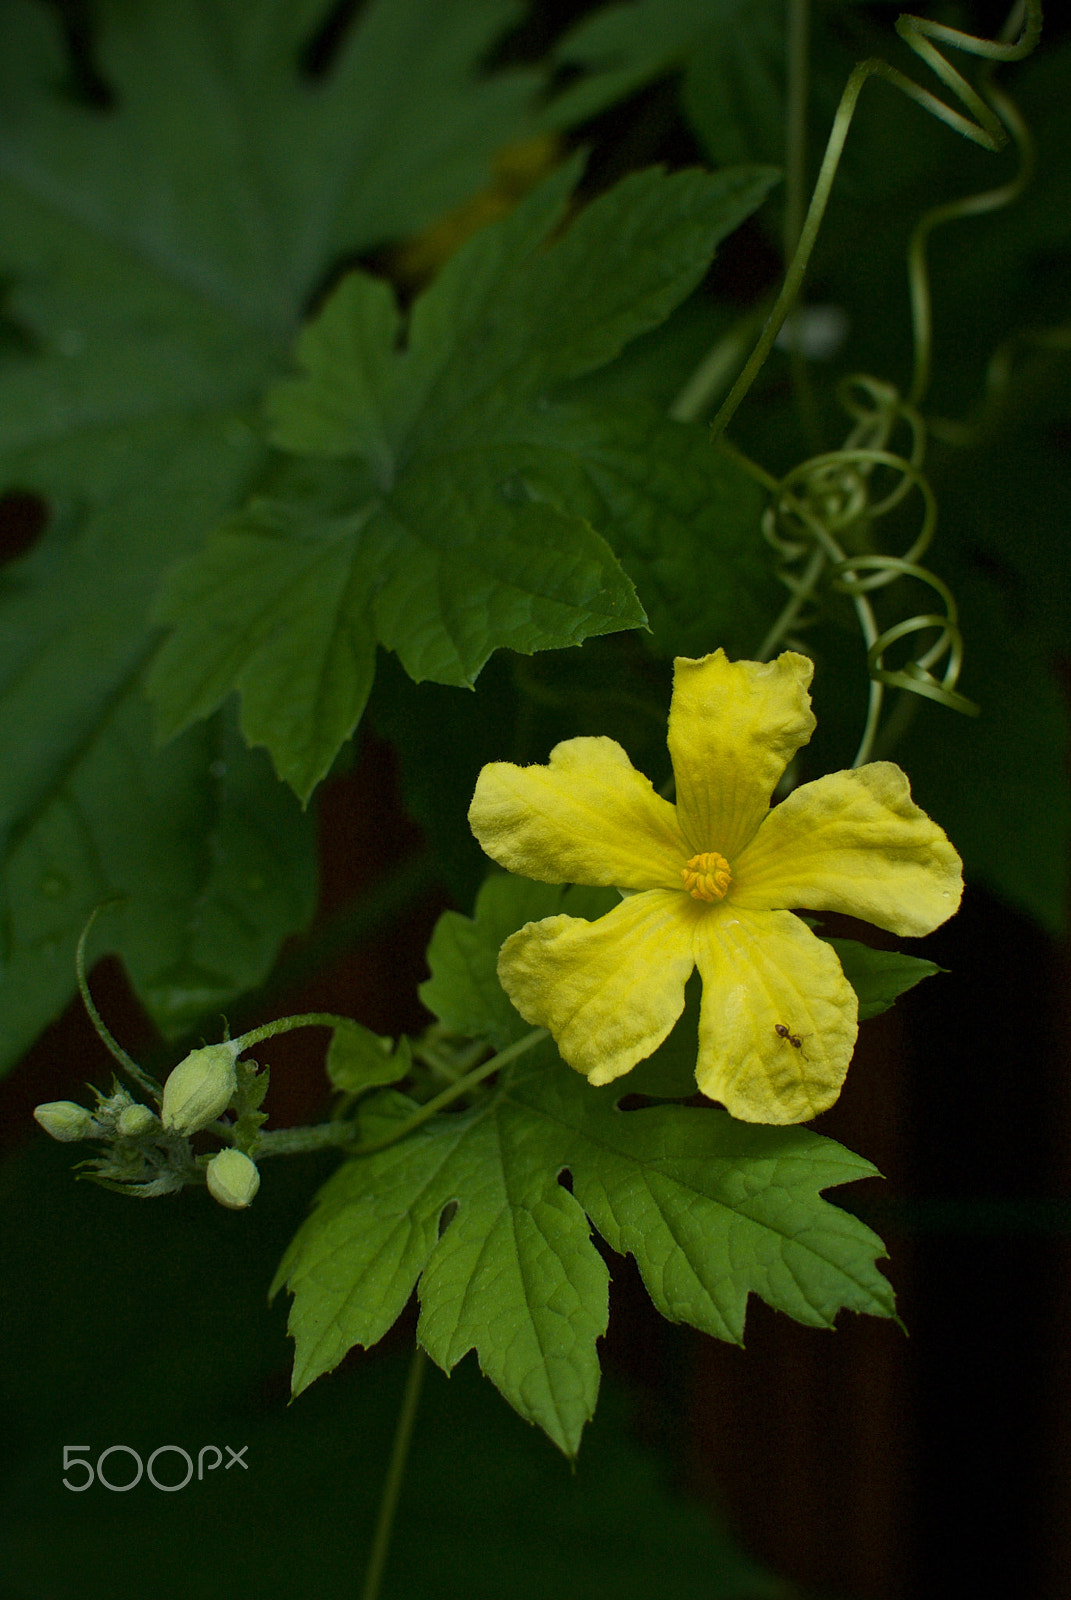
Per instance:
(733,728)
(609,991)
(588,817)
(853,842)
(762,972)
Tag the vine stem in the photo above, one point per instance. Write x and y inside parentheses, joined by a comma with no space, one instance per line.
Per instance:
(388,1505)
(868,627)
(305,1019)
(988,131)
(455,1091)
(148,1085)
(801,259)
(299,1141)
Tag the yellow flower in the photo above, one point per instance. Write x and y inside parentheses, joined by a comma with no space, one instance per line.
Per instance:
(708,883)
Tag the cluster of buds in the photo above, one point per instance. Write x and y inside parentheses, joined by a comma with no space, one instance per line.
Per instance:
(149,1154)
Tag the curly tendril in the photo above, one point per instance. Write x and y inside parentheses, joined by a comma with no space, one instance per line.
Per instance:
(822,514)
(996,119)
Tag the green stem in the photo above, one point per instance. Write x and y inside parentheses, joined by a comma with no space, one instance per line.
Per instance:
(388,1505)
(971,206)
(797,86)
(128,1064)
(988,131)
(305,1019)
(455,1091)
(298,1141)
(826,544)
(808,235)
(794,605)
(714,373)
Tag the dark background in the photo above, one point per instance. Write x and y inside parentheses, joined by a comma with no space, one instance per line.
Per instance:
(873,1465)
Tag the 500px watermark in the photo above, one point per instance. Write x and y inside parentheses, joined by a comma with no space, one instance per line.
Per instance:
(74,1459)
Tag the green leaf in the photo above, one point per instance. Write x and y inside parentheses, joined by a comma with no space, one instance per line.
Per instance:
(470,1208)
(879,977)
(273,605)
(624,46)
(213,859)
(729,53)
(684,519)
(512,1275)
(157,258)
(359,1060)
(441,521)
(463,990)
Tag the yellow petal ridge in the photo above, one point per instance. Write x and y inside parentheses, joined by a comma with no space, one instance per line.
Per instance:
(854,842)
(586,817)
(778,1019)
(733,728)
(608,991)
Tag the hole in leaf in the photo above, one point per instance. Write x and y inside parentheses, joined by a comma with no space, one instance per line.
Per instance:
(23,519)
(84,83)
(446,1216)
(318,56)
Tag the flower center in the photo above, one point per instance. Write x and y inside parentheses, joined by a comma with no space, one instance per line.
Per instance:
(707,876)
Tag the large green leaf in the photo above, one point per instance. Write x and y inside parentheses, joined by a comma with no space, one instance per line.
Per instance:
(470,1208)
(459,530)
(214,862)
(157,257)
(88,807)
(684,519)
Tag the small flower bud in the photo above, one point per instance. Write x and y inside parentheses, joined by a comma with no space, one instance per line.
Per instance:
(200,1088)
(233,1179)
(134,1121)
(65,1121)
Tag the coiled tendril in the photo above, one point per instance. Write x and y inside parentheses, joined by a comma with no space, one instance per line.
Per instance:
(823,512)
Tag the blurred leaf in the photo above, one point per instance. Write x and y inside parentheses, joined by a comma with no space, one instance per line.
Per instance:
(622,47)
(213,859)
(156,258)
(998,784)
(730,56)
(460,532)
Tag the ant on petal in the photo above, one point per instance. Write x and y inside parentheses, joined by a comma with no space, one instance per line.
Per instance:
(793,1039)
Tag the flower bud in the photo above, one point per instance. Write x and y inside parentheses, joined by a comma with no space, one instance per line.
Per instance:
(200,1088)
(233,1179)
(65,1121)
(134,1121)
